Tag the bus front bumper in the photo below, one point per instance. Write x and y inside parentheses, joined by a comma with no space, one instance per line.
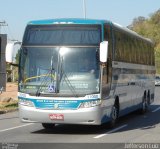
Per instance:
(86,116)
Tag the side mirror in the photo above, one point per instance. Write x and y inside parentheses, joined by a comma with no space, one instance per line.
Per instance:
(103,51)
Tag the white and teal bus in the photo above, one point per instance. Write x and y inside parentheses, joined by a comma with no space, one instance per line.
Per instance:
(82,71)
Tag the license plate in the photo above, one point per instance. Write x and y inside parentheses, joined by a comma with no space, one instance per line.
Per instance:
(56,116)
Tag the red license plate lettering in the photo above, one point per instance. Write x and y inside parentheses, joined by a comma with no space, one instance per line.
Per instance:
(56,116)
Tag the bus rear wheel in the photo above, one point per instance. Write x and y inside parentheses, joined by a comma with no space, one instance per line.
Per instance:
(48,125)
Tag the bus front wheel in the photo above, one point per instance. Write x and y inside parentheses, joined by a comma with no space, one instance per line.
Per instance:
(145,104)
(48,125)
(114,115)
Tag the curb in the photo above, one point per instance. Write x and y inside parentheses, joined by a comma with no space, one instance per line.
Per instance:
(7,111)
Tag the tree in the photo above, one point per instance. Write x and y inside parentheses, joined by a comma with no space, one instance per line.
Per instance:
(149,28)
(17,57)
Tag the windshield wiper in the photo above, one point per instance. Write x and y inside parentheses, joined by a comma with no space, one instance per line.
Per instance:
(52,69)
(65,78)
(43,83)
(56,82)
(70,85)
(51,74)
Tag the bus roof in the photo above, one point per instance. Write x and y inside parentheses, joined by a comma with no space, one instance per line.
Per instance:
(67,21)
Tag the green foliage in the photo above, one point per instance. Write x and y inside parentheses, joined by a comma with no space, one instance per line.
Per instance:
(14,105)
(150,28)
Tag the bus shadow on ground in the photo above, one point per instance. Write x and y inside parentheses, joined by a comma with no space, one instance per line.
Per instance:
(134,120)
(72,129)
(137,120)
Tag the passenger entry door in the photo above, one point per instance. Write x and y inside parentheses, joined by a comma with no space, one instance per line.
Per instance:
(107,67)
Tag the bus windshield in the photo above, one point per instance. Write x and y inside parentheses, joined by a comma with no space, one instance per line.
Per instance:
(65,71)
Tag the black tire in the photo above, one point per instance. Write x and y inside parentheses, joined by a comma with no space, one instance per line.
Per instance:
(145,104)
(114,116)
(48,125)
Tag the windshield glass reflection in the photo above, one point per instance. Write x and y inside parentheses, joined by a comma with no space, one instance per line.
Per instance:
(64,70)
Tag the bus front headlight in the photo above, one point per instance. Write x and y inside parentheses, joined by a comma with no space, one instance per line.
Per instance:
(26,103)
(89,104)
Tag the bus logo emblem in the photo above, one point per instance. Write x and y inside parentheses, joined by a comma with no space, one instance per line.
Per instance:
(56,106)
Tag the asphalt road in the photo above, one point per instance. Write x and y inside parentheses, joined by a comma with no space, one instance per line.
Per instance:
(132,128)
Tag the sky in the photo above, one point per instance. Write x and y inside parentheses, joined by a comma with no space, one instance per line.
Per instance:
(17,13)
